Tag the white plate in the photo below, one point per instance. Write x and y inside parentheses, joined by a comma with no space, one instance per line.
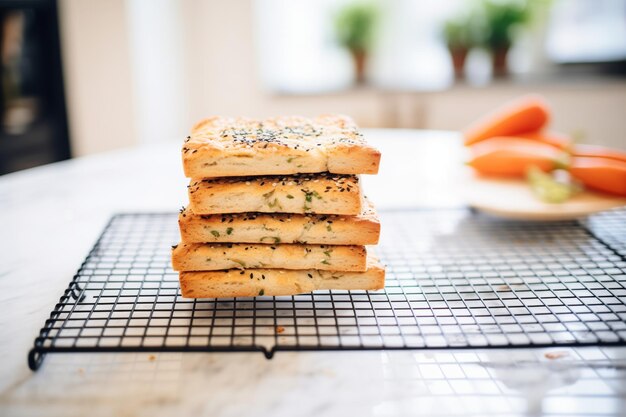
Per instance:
(513,199)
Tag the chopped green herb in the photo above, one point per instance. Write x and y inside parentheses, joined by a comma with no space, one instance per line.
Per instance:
(547,188)
(262,291)
(329,228)
(275,238)
(325,262)
(215,233)
(229,230)
(328,252)
(308,195)
(289,196)
(274,203)
(268,194)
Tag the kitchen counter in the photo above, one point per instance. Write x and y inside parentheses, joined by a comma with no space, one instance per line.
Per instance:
(52,215)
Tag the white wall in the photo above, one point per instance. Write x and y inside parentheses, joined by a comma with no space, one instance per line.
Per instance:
(98,83)
(157,59)
(221,58)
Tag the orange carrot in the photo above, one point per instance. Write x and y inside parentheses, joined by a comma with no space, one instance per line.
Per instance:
(599,151)
(504,156)
(604,174)
(526,114)
(556,139)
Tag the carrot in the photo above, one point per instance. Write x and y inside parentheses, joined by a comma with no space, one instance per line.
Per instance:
(505,156)
(556,139)
(603,174)
(526,114)
(598,151)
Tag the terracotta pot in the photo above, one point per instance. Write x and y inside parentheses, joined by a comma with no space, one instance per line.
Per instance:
(499,61)
(459,56)
(359,57)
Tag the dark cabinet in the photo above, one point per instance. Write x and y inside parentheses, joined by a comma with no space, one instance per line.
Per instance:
(33,122)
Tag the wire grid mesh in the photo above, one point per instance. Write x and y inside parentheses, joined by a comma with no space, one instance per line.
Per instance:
(610,226)
(454,280)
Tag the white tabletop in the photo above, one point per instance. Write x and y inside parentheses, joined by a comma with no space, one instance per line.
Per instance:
(52,215)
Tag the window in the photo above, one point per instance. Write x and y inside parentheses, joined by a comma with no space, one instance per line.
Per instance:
(298,52)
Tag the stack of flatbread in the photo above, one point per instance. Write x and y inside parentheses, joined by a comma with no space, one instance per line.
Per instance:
(276,208)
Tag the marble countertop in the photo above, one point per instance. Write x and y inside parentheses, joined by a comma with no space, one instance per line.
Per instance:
(52,215)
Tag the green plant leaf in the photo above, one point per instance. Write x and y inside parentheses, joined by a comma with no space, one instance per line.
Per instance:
(355,24)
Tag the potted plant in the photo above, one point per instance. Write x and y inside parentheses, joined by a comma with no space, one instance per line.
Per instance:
(355,26)
(457,36)
(500,19)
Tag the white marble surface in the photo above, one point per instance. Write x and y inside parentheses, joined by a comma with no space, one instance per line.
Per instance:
(52,215)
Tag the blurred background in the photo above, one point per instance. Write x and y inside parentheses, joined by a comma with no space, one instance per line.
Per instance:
(86,76)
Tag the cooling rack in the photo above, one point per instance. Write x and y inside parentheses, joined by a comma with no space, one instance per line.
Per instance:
(455,279)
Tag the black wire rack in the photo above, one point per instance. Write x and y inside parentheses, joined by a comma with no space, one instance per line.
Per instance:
(455,279)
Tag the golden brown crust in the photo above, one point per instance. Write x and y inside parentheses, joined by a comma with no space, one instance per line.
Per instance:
(259,282)
(363,229)
(225,147)
(321,193)
(221,256)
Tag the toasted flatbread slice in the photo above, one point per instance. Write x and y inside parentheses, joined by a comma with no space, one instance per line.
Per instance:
(321,193)
(227,147)
(257,282)
(220,256)
(363,229)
